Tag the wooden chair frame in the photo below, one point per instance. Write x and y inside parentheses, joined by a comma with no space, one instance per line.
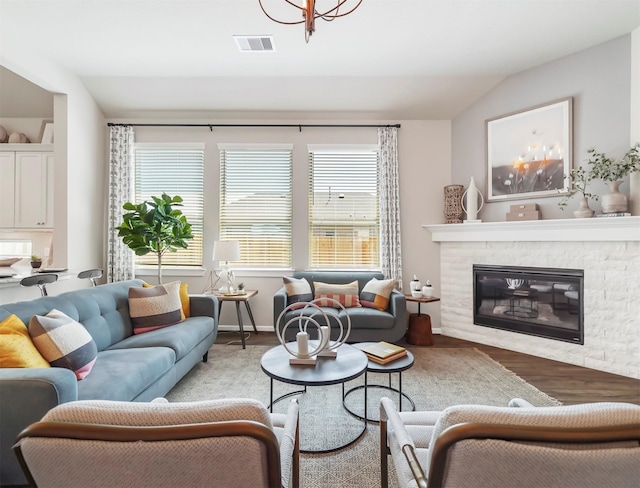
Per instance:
(116,433)
(466,431)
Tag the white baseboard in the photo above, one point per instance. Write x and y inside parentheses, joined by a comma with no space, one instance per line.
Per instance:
(247,328)
(269,328)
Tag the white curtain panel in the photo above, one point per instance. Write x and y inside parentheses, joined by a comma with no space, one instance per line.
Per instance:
(120,257)
(390,254)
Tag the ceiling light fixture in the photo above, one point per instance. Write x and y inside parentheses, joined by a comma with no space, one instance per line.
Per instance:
(310,14)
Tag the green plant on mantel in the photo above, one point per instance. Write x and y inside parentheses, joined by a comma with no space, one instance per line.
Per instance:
(612,170)
(155,226)
(579,179)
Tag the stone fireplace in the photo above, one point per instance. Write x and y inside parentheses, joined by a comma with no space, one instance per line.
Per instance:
(606,249)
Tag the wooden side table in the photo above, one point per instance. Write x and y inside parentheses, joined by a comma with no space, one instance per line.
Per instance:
(419,332)
(239,299)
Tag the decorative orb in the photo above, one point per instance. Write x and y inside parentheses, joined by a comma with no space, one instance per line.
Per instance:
(3,134)
(18,138)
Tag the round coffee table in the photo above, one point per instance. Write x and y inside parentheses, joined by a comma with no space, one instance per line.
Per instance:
(397,366)
(349,364)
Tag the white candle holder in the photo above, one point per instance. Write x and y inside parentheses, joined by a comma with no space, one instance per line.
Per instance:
(307,350)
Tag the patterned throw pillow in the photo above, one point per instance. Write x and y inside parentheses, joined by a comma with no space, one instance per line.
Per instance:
(63,342)
(298,290)
(155,307)
(16,348)
(376,293)
(184,298)
(346,295)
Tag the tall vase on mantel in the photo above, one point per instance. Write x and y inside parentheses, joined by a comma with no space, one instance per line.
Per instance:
(615,200)
(583,211)
(470,197)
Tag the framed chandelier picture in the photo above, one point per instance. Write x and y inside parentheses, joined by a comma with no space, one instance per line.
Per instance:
(529,152)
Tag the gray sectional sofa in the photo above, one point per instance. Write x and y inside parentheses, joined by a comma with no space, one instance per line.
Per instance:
(129,367)
(367,324)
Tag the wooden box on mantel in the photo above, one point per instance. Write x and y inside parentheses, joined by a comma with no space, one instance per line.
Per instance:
(524,211)
(524,215)
(524,207)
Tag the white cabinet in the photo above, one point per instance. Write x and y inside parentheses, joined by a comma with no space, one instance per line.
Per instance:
(7,189)
(26,190)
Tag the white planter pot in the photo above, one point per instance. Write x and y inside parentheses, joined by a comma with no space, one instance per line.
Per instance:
(615,201)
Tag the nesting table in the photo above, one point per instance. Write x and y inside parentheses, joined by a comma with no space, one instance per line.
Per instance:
(349,364)
(397,366)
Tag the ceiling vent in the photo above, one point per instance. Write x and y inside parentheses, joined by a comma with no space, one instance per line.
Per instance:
(255,44)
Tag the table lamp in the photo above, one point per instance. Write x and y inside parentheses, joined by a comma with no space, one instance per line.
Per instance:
(227,251)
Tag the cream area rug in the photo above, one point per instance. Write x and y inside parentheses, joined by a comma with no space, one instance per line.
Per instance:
(438,379)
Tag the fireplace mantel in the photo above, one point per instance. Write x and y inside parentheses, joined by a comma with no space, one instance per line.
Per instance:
(594,229)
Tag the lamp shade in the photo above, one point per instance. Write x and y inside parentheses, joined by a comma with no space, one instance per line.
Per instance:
(226,251)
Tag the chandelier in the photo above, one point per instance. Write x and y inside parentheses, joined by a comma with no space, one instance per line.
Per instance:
(310,14)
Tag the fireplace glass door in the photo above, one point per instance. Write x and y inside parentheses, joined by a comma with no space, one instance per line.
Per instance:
(545,302)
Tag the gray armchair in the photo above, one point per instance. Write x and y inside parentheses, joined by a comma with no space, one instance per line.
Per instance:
(367,324)
(223,443)
(588,445)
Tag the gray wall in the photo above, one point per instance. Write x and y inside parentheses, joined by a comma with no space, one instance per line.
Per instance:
(598,79)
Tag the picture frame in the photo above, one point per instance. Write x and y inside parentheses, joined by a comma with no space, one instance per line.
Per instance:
(46,132)
(529,152)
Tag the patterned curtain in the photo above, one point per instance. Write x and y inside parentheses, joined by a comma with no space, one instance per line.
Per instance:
(120,257)
(390,254)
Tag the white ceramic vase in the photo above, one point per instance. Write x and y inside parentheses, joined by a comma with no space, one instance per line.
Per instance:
(470,200)
(583,211)
(615,200)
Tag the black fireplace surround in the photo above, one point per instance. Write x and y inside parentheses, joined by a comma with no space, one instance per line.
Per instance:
(544,302)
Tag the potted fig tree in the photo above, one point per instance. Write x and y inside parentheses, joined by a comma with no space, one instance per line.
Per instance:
(155,226)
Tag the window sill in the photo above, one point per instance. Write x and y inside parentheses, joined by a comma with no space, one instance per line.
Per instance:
(166,271)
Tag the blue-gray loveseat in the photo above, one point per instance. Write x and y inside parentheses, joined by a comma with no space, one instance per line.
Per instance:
(128,368)
(367,324)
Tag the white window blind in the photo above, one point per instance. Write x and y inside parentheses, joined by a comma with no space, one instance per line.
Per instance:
(174,169)
(255,204)
(344,214)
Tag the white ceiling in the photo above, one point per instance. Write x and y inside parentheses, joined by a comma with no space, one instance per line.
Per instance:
(394,59)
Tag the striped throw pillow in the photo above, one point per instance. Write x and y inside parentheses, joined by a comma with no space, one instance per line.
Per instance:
(346,295)
(298,291)
(63,342)
(376,293)
(184,298)
(155,307)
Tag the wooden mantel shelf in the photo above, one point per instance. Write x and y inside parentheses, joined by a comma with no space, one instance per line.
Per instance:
(594,229)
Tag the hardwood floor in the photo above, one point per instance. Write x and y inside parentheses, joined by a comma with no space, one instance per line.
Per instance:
(567,383)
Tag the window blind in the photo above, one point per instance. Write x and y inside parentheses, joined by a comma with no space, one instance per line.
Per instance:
(174,169)
(344,213)
(256,204)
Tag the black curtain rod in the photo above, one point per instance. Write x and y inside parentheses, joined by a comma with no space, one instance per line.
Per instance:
(299,126)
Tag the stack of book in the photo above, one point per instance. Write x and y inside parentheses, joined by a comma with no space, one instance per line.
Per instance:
(384,352)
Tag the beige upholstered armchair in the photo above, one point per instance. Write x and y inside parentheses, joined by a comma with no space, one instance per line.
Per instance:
(589,445)
(222,443)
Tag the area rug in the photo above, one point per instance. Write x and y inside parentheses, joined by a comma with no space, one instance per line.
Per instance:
(438,379)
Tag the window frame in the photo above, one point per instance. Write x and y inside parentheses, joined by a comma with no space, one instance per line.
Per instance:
(172,269)
(239,267)
(341,149)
